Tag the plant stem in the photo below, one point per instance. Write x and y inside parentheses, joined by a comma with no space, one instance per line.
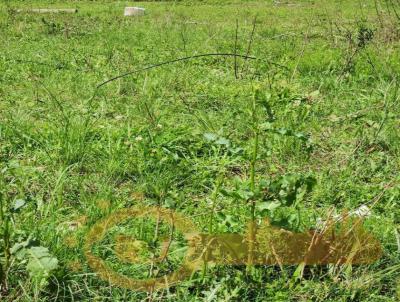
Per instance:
(211,222)
(250,43)
(213,202)
(2,274)
(252,227)
(254,157)
(236,45)
(6,249)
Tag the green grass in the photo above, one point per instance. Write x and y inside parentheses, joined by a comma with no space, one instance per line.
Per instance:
(182,135)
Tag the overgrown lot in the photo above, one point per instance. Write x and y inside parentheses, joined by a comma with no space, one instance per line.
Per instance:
(301,125)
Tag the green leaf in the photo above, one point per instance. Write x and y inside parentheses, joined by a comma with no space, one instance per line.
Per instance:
(18,203)
(266,126)
(238,194)
(19,249)
(314,94)
(283,131)
(245,195)
(270,206)
(210,137)
(222,141)
(41,262)
(288,188)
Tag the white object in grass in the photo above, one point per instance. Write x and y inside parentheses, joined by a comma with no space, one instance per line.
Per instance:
(134,11)
(362,212)
(48,10)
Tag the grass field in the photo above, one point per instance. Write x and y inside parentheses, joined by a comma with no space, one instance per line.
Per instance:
(306,128)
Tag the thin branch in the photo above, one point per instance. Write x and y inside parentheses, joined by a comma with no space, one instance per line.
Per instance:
(56,101)
(175,61)
(250,42)
(236,46)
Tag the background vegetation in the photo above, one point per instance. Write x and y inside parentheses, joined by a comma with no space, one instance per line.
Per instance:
(313,121)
